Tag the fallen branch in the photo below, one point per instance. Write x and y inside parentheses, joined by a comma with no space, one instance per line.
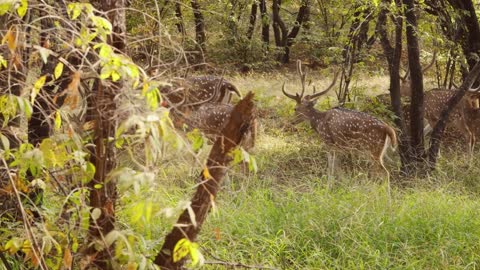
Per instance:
(211,178)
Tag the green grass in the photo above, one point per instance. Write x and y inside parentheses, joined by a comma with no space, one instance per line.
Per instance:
(346,229)
(290,216)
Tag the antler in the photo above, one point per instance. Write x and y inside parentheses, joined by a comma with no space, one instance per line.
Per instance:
(316,95)
(302,76)
(297,97)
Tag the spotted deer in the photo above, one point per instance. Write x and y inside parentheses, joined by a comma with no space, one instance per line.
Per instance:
(211,118)
(195,91)
(463,117)
(341,128)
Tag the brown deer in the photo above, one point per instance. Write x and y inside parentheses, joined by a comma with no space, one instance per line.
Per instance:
(462,118)
(342,128)
(194,91)
(211,118)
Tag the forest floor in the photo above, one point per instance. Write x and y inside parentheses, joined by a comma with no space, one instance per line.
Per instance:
(288,215)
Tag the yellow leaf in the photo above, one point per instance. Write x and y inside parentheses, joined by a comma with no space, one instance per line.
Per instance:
(36,88)
(58,70)
(132,266)
(27,246)
(3,62)
(181,249)
(11,39)
(67,258)
(58,120)
(40,82)
(206,174)
(22,9)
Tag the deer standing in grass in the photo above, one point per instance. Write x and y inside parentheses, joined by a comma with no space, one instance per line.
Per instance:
(341,128)
(462,118)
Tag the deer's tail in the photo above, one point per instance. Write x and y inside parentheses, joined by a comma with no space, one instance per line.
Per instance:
(391,135)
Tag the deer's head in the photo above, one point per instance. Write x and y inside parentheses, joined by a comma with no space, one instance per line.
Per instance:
(305,104)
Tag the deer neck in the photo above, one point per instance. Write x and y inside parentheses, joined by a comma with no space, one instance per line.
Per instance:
(315,117)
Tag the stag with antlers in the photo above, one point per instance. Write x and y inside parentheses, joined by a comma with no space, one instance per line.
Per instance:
(342,128)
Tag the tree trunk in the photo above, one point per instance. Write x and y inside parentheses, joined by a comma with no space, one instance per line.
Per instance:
(253,19)
(265,25)
(279,28)
(103,193)
(218,160)
(200,36)
(301,16)
(178,13)
(393,55)
(417,106)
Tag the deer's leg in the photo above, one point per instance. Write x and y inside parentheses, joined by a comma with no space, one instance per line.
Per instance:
(469,137)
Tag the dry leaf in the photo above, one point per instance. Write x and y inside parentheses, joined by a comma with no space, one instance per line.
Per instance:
(67,259)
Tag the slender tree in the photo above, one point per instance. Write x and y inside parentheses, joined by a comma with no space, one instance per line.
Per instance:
(265,24)
(393,55)
(417,107)
(284,38)
(199,21)
(103,194)
(253,19)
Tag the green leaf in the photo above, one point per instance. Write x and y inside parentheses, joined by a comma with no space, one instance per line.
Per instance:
(90,173)
(196,139)
(22,9)
(111,237)
(103,23)
(148,211)
(196,256)
(137,212)
(58,120)
(74,10)
(5,142)
(3,62)
(105,72)
(252,164)
(58,70)
(96,213)
(6,5)
(14,245)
